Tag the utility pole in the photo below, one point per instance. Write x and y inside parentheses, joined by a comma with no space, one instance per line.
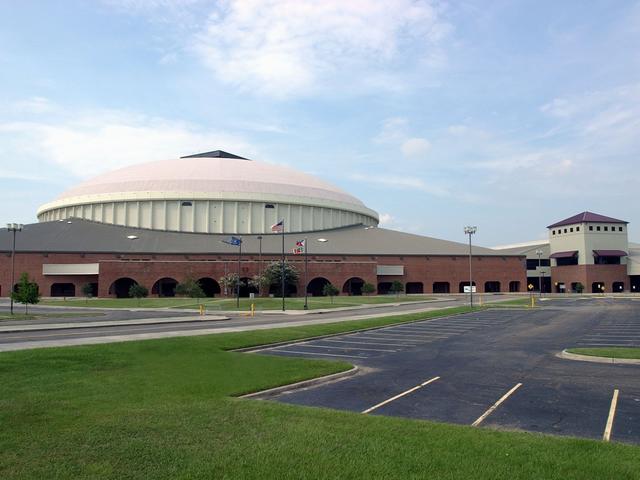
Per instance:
(13,227)
(470,231)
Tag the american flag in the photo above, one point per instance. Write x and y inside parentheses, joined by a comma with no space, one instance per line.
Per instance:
(278,227)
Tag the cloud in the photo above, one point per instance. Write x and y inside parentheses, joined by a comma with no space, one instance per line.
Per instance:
(386,220)
(401,182)
(285,48)
(415,147)
(85,143)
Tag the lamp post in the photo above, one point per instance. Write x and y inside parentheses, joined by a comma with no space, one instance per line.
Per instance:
(470,231)
(259,264)
(539,253)
(306,275)
(13,227)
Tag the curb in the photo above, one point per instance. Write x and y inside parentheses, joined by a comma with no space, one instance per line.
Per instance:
(590,358)
(271,392)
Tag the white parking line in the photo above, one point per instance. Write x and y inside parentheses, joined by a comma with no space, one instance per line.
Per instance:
(495,405)
(432,329)
(364,343)
(407,392)
(329,347)
(405,335)
(405,343)
(612,413)
(317,353)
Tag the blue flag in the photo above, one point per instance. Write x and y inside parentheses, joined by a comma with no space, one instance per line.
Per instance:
(233,241)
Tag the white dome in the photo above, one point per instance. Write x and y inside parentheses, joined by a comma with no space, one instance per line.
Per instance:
(215,180)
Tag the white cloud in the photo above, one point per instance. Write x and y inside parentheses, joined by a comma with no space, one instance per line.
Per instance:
(401,182)
(415,147)
(85,143)
(284,48)
(33,105)
(386,220)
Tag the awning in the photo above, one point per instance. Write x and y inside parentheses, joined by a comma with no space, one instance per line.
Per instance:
(570,254)
(610,253)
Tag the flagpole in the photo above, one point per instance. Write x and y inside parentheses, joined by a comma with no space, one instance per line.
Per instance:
(306,269)
(282,275)
(238,280)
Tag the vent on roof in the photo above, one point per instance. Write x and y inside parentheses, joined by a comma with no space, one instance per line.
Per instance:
(215,154)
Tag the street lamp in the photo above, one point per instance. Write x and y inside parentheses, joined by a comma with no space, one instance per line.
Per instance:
(539,253)
(470,231)
(259,264)
(13,227)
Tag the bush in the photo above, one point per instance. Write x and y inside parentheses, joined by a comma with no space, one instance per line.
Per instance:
(190,288)
(368,288)
(330,291)
(138,291)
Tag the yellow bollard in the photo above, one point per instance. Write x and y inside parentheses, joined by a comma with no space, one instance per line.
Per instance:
(480,297)
(533,301)
(253,309)
(201,309)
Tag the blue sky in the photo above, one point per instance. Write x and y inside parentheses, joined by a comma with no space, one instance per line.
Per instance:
(508,115)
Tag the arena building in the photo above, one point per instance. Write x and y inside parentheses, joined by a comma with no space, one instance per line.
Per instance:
(159,223)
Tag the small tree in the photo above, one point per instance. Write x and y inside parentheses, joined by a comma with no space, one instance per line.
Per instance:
(229,283)
(138,291)
(190,288)
(396,287)
(87,291)
(260,283)
(330,291)
(26,292)
(368,288)
(579,287)
(274,273)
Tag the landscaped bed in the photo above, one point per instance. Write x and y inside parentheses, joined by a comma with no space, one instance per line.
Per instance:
(167,409)
(608,352)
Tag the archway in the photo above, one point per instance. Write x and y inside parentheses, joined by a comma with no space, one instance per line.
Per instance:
(63,290)
(464,284)
(597,287)
(353,286)
(120,288)
(414,287)
(441,287)
(492,287)
(514,286)
(384,288)
(245,288)
(165,287)
(315,286)
(209,286)
(618,287)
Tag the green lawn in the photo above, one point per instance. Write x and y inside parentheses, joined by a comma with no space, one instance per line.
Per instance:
(230,303)
(164,409)
(517,302)
(609,352)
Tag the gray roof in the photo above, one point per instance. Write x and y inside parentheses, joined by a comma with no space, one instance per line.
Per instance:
(215,154)
(82,236)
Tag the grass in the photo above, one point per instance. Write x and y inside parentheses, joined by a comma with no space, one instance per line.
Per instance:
(164,409)
(37,316)
(518,302)
(294,303)
(609,352)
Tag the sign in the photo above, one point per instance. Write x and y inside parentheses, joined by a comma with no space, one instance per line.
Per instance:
(467,289)
(530,286)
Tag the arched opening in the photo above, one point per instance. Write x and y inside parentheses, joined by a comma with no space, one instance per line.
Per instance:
(635,284)
(63,290)
(353,286)
(465,284)
(165,287)
(120,288)
(514,286)
(315,286)
(384,288)
(441,287)
(617,287)
(291,290)
(209,286)
(492,287)
(414,287)
(246,289)
(597,287)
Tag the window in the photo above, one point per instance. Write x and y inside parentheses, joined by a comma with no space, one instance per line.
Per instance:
(268,205)
(565,230)
(571,229)
(186,204)
(577,229)
(553,232)
(620,229)
(591,228)
(606,229)
(598,228)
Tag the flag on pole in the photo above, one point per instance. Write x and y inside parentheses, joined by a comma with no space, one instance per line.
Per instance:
(278,227)
(300,247)
(235,241)
(300,243)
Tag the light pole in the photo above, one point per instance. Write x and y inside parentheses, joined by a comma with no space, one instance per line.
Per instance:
(306,275)
(470,231)
(539,253)
(260,265)
(13,227)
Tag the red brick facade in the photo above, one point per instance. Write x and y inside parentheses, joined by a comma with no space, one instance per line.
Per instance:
(509,271)
(588,275)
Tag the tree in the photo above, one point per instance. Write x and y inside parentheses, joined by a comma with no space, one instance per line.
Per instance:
(87,291)
(368,288)
(260,282)
(273,273)
(579,287)
(330,291)
(26,292)
(138,291)
(396,287)
(229,283)
(190,288)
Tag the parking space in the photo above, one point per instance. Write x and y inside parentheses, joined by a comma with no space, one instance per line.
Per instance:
(495,369)
(613,331)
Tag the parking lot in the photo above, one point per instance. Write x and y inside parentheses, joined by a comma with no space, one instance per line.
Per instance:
(494,368)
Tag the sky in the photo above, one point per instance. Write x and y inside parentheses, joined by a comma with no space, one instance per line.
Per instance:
(508,115)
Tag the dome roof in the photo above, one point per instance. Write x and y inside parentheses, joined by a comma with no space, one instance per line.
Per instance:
(215,173)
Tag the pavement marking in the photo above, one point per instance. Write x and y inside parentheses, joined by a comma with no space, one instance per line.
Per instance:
(329,347)
(612,413)
(495,405)
(317,353)
(432,329)
(407,392)
(365,343)
(405,335)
